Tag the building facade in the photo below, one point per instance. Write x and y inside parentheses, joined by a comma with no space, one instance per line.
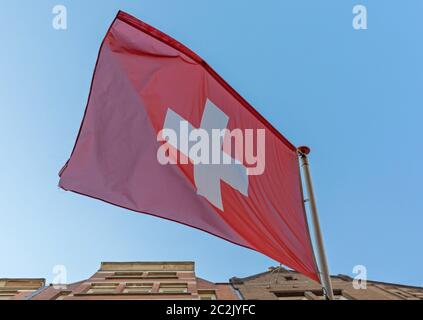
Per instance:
(141,281)
(282,284)
(19,289)
(178,281)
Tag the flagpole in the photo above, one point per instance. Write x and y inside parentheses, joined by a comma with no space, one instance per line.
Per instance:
(324,268)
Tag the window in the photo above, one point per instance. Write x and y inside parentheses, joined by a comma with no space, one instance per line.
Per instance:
(62,295)
(207,294)
(318,295)
(415,294)
(126,275)
(402,294)
(307,295)
(161,275)
(173,288)
(102,288)
(7,295)
(139,288)
(290,295)
(335,297)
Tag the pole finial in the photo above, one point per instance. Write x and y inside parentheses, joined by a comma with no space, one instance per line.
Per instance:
(304,150)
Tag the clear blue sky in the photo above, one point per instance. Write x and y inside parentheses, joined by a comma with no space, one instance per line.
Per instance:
(354,96)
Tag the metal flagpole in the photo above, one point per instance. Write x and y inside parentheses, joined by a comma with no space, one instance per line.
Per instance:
(324,269)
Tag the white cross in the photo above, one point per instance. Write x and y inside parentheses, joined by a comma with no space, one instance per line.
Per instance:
(207,177)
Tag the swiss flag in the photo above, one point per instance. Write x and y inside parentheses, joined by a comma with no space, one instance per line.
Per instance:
(144,82)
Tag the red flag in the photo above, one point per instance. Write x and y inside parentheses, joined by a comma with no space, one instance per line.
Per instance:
(153,106)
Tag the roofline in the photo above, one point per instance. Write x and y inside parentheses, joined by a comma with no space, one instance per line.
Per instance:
(261,274)
(22,279)
(211,282)
(148,262)
(381,282)
(147,265)
(232,280)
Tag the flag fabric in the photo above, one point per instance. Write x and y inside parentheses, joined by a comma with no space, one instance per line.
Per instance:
(145,85)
